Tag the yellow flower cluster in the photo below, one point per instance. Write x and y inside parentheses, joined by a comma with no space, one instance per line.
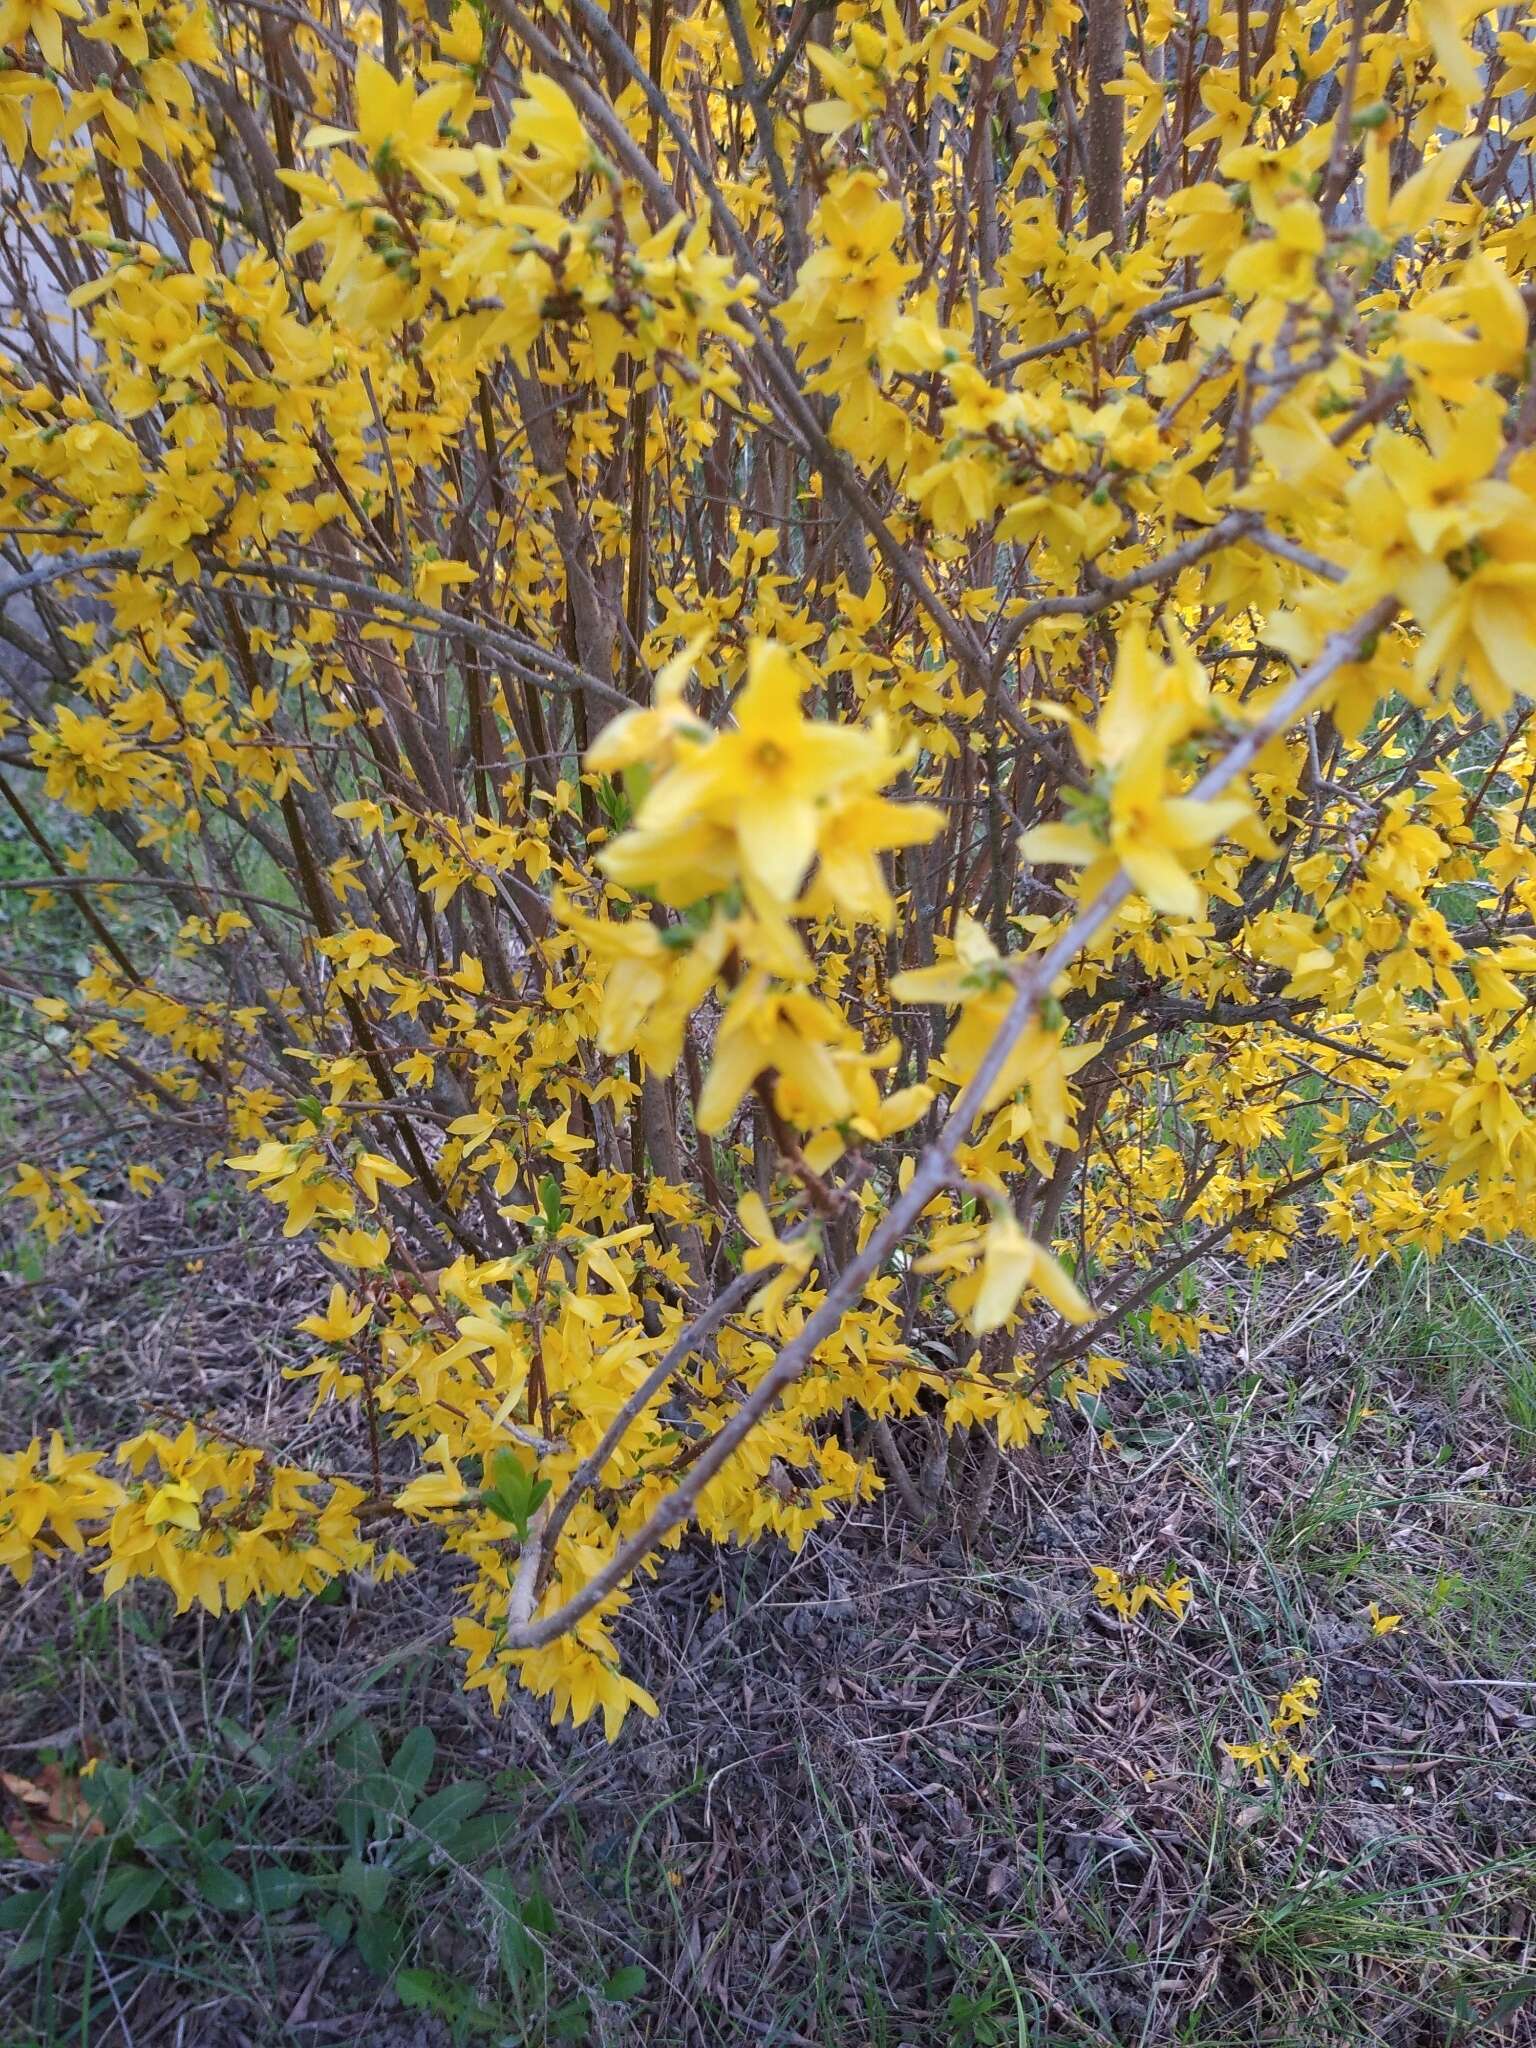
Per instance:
(761,740)
(1277,1752)
(1174,1598)
(219,1524)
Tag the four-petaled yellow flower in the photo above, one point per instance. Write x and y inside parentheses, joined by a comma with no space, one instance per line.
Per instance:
(1146,827)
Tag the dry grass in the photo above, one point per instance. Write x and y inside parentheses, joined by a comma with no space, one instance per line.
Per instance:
(899,1793)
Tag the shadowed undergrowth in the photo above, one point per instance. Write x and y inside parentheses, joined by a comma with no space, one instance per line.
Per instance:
(901,1791)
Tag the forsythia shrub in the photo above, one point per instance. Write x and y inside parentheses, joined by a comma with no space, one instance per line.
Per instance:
(817,692)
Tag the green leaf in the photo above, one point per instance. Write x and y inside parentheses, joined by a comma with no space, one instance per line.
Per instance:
(522,1958)
(243,1743)
(357,1748)
(412,1763)
(353,1815)
(386,1799)
(336,1923)
(379,1941)
(537,1914)
(222,1889)
(1093,1411)
(626,1983)
(165,1834)
(17,1909)
(488,1834)
(360,1757)
(368,1883)
(274,1888)
(422,1990)
(445,1809)
(431,1991)
(615,803)
(513,1489)
(133,1890)
(501,1886)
